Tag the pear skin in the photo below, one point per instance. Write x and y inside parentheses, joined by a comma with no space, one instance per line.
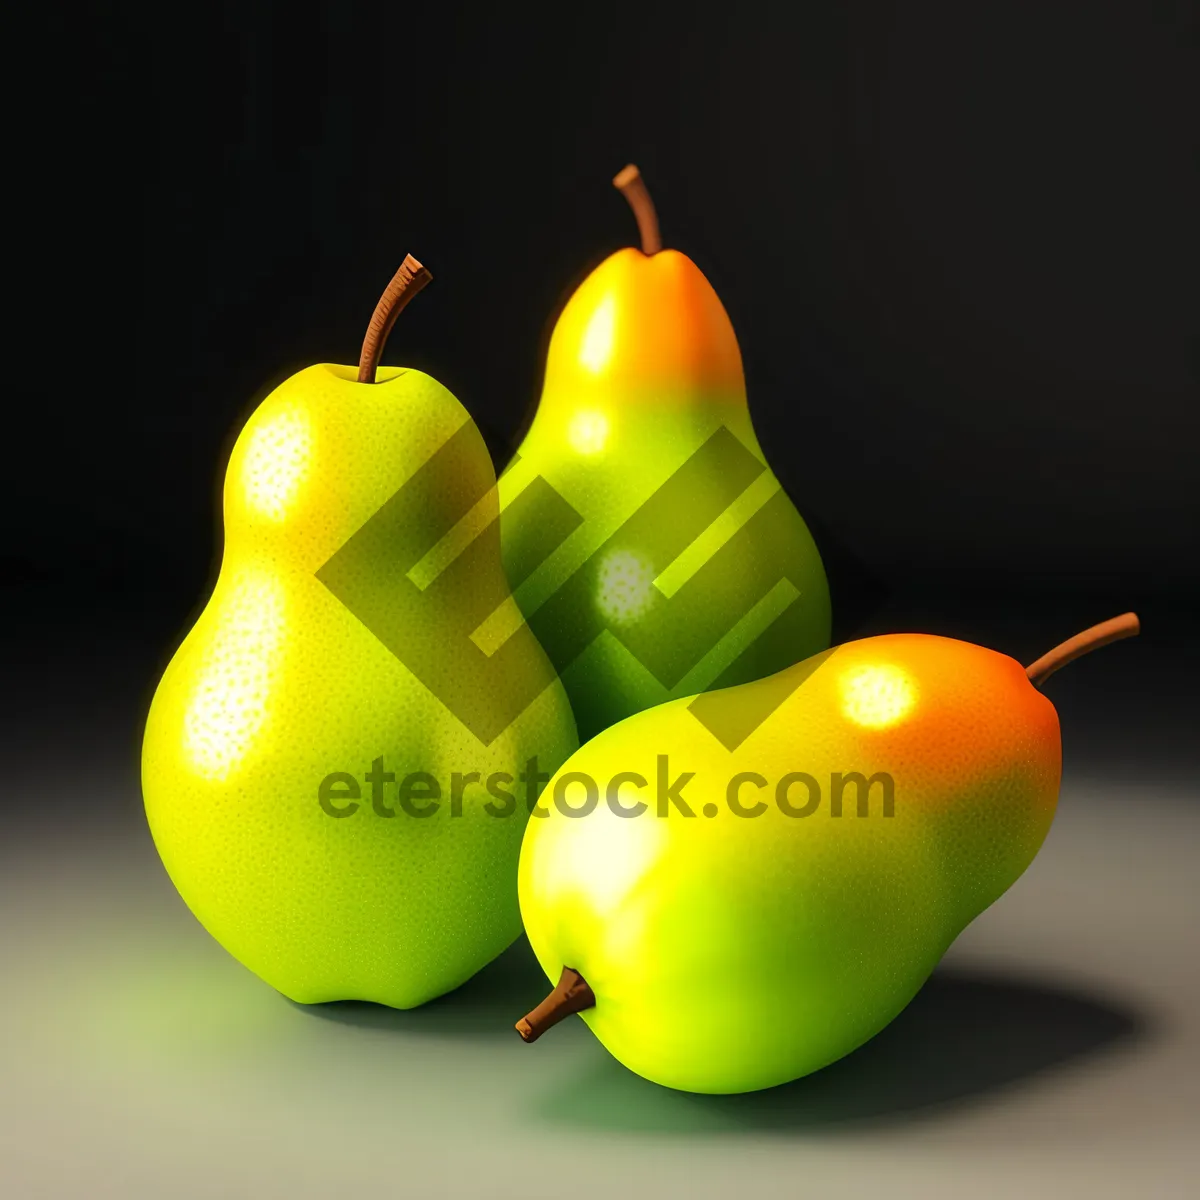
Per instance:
(899,785)
(650,546)
(270,715)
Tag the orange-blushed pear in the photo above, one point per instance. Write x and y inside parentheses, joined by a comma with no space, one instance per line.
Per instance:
(646,538)
(897,787)
(314,754)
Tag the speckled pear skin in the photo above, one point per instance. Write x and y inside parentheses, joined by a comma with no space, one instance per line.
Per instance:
(731,953)
(643,370)
(278,684)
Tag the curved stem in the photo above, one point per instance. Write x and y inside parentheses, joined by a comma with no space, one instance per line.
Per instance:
(630,184)
(1126,625)
(406,283)
(571,995)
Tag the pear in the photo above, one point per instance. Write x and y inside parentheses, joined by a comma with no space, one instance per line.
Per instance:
(725,920)
(318,753)
(647,541)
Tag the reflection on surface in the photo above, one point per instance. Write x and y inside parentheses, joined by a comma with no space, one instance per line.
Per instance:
(596,345)
(228,708)
(877,695)
(276,463)
(588,432)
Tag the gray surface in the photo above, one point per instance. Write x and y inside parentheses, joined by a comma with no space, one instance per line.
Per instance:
(1057,1052)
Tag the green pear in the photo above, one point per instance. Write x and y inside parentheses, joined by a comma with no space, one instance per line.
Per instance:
(753,899)
(332,761)
(647,540)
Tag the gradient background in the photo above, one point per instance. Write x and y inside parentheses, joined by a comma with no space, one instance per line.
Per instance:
(959,243)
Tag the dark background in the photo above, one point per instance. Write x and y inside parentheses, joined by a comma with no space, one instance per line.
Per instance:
(958,243)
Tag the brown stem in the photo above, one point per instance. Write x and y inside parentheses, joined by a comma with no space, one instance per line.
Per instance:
(571,995)
(1126,625)
(630,184)
(406,283)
